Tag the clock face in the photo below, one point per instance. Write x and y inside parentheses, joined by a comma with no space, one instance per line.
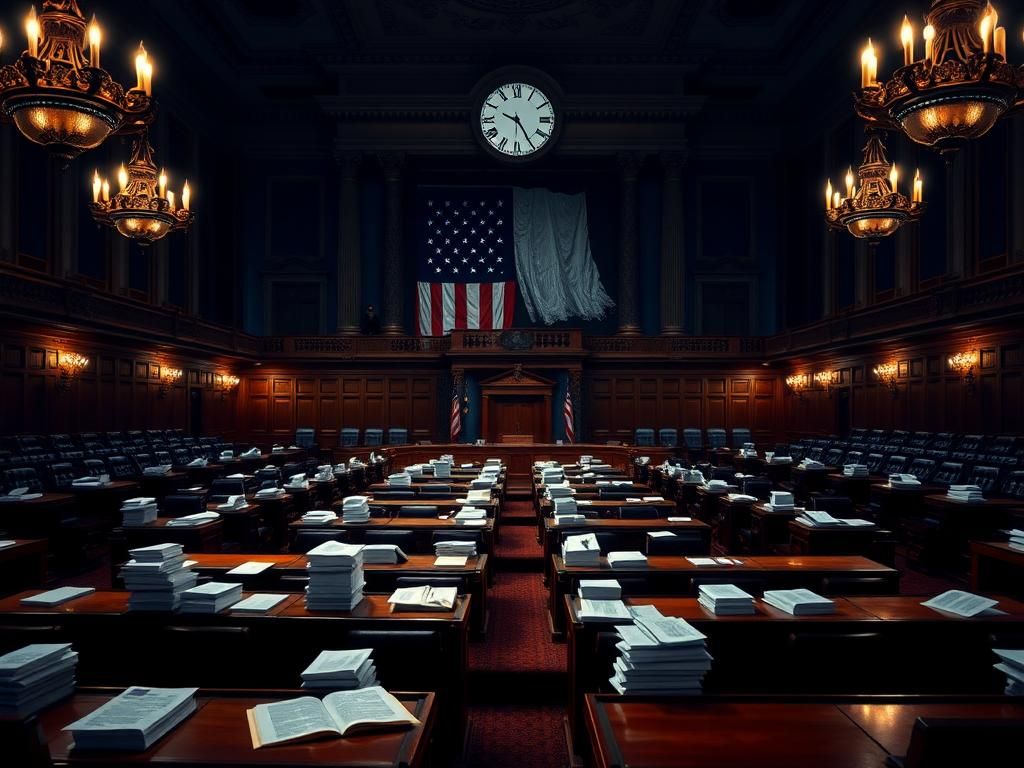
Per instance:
(517,119)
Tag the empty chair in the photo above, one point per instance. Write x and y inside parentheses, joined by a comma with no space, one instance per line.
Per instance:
(894,465)
(94,467)
(141,461)
(180,505)
(919,439)
(1002,446)
(898,437)
(948,473)
(163,457)
(922,469)
(305,437)
(837,506)
(305,539)
(942,441)
(271,475)
(398,436)
(61,475)
(741,435)
(643,436)
(373,436)
(723,473)
(181,456)
(121,468)
(1013,486)
(22,477)
(693,441)
(986,478)
(668,437)
(833,457)
(855,457)
(759,487)
(349,437)
(223,487)
(639,512)
(403,538)
(62,442)
(417,511)
(875,463)
(716,438)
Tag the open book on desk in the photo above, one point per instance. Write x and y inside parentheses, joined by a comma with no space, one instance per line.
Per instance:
(340,714)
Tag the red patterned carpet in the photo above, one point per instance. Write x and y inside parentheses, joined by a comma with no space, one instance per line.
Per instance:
(516,737)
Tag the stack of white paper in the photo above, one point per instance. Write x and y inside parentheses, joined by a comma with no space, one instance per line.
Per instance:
(227,455)
(57,596)
(970,494)
(298,482)
(564,506)
(34,677)
(630,559)
(725,600)
(252,453)
(235,501)
(781,500)
(383,554)
(423,598)
(355,509)
(270,493)
(781,460)
(612,611)
(659,655)
(335,577)
(156,577)
(414,470)
(20,494)
(258,603)
(134,720)
(325,473)
(85,482)
(716,486)
(1016,539)
(157,471)
(600,589)
(471,516)
(212,597)
(742,498)
(560,491)
(1012,665)
(904,482)
(799,602)
(341,670)
(817,519)
(961,603)
(855,470)
(138,511)
(811,464)
(442,470)
(550,475)
(451,561)
(476,495)
(399,480)
(480,483)
(189,521)
(319,517)
(455,548)
(581,550)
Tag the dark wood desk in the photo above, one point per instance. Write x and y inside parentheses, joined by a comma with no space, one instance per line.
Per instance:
(673,574)
(23,565)
(856,488)
(37,518)
(769,529)
(707,501)
(159,486)
(422,527)
(103,502)
(960,523)
(205,537)
(443,505)
(998,567)
(805,481)
(218,734)
(654,732)
(831,540)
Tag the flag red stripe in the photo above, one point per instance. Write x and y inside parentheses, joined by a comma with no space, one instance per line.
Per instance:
(486,306)
(460,306)
(436,310)
(510,303)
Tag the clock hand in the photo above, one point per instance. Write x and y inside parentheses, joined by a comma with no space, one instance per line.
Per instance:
(519,125)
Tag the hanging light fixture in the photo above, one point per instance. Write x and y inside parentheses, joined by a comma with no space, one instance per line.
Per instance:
(887,373)
(61,98)
(874,209)
(71,365)
(798,382)
(962,363)
(144,209)
(956,90)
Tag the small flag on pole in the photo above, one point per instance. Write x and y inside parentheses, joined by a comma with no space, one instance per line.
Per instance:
(456,414)
(570,429)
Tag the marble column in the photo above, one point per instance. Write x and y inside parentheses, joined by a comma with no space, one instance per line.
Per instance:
(629,170)
(8,192)
(673,265)
(349,257)
(394,283)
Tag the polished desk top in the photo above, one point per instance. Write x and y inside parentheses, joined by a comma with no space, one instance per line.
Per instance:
(673,563)
(615,523)
(1000,549)
(23,548)
(297,563)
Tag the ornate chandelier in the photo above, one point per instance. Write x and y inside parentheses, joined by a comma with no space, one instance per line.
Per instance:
(144,209)
(62,99)
(875,209)
(959,88)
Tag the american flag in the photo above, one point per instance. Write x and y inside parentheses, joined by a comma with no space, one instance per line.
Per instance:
(570,429)
(466,277)
(455,426)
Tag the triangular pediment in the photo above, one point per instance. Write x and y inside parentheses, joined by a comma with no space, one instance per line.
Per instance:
(515,378)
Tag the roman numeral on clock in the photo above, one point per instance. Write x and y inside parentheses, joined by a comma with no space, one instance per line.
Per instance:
(490,133)
(503,142)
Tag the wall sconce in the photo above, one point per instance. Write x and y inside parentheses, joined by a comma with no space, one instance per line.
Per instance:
(71,365)
(224,383)
(963,363)
(826,380)
(798,382)
(168,378)
(887,373)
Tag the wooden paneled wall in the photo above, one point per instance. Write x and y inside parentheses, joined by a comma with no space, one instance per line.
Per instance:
(929,397)
(276,403)
(119,390)
(620,401)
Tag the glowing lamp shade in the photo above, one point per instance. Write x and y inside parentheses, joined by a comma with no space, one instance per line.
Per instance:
(60,125)
(147,229)
(873,228)
(938,122)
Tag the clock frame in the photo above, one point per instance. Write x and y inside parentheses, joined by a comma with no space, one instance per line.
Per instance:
(528,77)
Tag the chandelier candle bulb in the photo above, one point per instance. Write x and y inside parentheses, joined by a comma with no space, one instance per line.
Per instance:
(95,38)
(186,195)
(836,200)
(163,183)
(999,42)
(868,67)
(97,186)
(1,39)
(106,191)
(918,195)
(907,38)
(929,36)
(828,195)
(147,77)
(849,181)
(140,66)
(985,31)
(894,176)
(170,200)
(32,31)
(122,177)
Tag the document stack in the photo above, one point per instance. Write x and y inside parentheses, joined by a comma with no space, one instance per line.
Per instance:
(455,548)
(799,602)
(581,550)
(252,453)
(550,475)
(324,473)
(424,598)
(199,518)
(157,471)
(277,449)
(903,482)
(725,600)
(138,511)
(34,677)
(496,463)
(970,494)
(855,470)
(227,455)
(319,517)
(564,506)
(560,490)
(212,597)
(482,482)
(442,470)
(399,480)
(603,611)
(716,486)
(271,493)
(134,720)
(659,655)
(585,460)
(1016,539)
(335,577)
(781,500)
(414,470)
(341,670)
(780,459)
(630,559)
(200,462)
(743,498)
(600,589)
(355,509)
(383,554)
(811,464)
(234,501)
(1011,664)
(471,516)
(478,495)
(818,519)
(156,576)
(89,481)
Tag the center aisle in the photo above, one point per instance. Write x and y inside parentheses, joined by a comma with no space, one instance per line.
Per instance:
(517,675)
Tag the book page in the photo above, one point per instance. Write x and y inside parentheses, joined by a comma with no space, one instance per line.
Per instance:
(366,706)
(135,709)
(960,603)
(289,720)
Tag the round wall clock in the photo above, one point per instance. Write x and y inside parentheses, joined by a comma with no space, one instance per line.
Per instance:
(516,115)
